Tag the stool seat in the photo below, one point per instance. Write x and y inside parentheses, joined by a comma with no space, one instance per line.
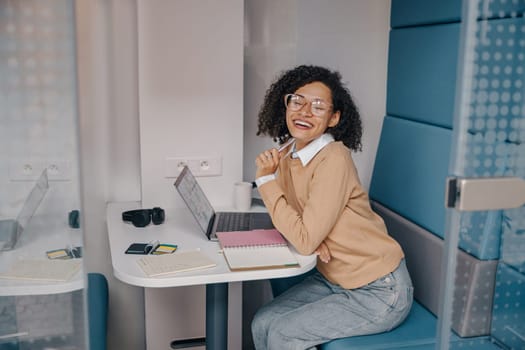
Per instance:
(419,328)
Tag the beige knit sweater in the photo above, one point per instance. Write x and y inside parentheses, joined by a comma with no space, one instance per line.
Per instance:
(324,201)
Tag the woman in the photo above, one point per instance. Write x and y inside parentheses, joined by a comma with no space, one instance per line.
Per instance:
(313,194)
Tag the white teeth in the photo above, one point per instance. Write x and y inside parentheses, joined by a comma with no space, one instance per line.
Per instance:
(302,123)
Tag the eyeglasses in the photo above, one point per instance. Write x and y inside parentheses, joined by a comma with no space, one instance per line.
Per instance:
(296,102)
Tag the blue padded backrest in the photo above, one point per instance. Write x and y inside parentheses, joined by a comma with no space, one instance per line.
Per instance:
(406,13)
(410,171)
(409,178)
(422,73)
(97,310)
(417,12)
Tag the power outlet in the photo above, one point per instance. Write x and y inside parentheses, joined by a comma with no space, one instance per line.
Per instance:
(199,166)
(59,170)
(30,170)
(25,169)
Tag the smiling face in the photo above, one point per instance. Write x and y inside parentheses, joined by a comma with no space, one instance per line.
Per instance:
(302,124)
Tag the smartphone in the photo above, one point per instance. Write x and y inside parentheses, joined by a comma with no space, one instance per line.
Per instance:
(139,248)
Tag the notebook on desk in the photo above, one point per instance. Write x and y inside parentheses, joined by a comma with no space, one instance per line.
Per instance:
(256,249)
(43,270)
(208,219)
(172,263)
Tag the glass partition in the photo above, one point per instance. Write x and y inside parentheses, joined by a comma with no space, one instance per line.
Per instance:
(41,289)
(489,135)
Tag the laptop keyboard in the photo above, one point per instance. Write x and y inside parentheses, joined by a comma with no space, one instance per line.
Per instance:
(233,222)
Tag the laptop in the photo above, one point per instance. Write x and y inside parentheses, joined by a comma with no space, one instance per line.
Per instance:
(11,229)
(208,219)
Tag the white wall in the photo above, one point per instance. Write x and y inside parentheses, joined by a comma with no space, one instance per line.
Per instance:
(109,147)
(354,40)
(190,73)
(270,46)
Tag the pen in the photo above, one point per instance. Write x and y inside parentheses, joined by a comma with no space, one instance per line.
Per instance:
(286,144)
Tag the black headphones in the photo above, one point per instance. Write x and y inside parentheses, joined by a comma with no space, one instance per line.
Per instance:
(142,217)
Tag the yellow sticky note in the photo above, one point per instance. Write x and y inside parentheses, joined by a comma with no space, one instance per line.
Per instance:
(165,249)
(58,254)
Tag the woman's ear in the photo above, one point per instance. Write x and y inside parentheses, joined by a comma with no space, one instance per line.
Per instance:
(334,119)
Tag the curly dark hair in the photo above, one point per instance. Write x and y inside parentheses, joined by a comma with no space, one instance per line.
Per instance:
(272,116)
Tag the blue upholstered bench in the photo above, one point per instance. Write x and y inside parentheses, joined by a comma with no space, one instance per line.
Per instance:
(97,296)
(418,329)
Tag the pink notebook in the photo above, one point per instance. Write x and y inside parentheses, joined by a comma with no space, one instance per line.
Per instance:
(253,238)
(257,249)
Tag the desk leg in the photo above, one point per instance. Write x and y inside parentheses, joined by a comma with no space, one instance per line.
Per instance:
(217,316)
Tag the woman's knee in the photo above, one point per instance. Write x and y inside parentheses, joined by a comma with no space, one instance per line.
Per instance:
(284,334)
(262,320)
(276,337)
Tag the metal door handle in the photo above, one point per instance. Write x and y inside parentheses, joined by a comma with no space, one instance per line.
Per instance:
(489,193)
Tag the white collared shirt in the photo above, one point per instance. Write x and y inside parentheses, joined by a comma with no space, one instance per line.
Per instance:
(311,149)
(305,155)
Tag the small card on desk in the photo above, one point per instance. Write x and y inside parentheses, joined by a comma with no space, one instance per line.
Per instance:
(164,249)
(139,248)
(58,254)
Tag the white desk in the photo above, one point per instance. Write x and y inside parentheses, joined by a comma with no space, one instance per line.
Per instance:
(33,245)
(180,228)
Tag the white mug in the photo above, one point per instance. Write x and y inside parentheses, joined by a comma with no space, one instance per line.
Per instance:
(243,195)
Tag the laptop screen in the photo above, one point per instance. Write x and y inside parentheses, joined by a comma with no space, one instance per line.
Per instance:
(11,230)
(33,200)
(195,199)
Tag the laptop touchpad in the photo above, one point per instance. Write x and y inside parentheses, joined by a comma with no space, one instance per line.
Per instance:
(260,221)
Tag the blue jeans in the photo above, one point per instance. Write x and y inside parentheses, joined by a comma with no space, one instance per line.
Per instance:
(316,311)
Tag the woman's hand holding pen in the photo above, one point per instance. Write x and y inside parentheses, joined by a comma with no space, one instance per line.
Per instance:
(267,162)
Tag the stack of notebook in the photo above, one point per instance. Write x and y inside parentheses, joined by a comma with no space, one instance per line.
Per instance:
(256,249)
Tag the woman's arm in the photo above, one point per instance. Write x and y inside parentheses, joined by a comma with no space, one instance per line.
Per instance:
(330,187)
